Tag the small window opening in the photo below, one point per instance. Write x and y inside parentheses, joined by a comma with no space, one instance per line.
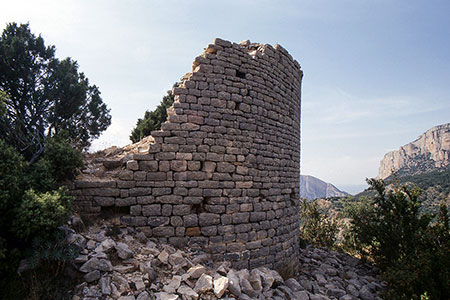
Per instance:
(240,74)
(114,211)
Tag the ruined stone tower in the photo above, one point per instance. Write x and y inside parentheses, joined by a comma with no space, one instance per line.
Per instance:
(223,171)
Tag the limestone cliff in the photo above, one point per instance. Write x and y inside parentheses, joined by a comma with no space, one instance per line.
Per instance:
(313,188)
(429,152)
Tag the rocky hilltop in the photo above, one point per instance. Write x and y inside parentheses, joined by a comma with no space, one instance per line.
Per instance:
(429,152)
(313,188)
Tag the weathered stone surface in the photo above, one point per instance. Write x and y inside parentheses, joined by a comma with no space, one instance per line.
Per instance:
(220,285)
(228,154)
(96,264)
(158,270)
(123,251)
(429,152)
(204,284)
(233,283)
(92,276)
(187,292)
(196,271)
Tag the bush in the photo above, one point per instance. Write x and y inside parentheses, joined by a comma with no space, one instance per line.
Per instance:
(317,228)
(65,161)
(41,213)
(411,250)
(31,204)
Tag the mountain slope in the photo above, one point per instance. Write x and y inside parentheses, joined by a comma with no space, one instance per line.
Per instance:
(429,152)
(313,188)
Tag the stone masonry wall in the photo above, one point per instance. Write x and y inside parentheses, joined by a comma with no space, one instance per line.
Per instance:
(223,171)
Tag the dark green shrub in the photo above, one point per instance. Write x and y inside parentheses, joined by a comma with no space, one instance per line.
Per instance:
(411,250)
(152,119)
(64,160)
(30,202)
(316,228)
(40,213)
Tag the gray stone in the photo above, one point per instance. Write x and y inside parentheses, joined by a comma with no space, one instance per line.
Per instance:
(337,293)
(293,284)
(92,276)
(167,296)
(196,271)
(143,296)
(233,284)
(96,264)
(177,259)
(188,292)
(204,284)
(105,285)
(123,251)
(301,295)
(163,256)
(173,284)
(365,293)
(220,285)
(126,298)
(138,283)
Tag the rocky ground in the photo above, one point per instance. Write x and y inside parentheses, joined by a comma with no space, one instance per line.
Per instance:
(120,263)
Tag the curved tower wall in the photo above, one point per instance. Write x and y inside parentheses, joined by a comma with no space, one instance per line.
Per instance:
(223,171)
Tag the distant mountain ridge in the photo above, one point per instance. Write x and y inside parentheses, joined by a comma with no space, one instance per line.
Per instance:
(313,188)
(429,152)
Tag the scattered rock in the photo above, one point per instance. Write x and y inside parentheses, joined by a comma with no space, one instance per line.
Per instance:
(163,257)
(184,290)
(220,285)
(196,271)
(96,264)
(204,284)
(151,271)
(92,276)
(123,251)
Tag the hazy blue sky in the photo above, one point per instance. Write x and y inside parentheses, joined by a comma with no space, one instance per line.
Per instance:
(376,72)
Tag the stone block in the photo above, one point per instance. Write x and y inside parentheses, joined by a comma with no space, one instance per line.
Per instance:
(140,191)
(104,201)
(181,210)
(104,192)
(135,210)
(242,217)
(209,230)
(157,222)
(193,231)
(178,165)
(125,201)
(132,165)
(151,210)
(126,175)
(163,232)
(190,220)
(166,210)
(156,176)
(208,219)
(161,191)
(169,199)
(148,165)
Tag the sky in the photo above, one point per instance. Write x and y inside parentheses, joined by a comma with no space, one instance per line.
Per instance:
(376,72)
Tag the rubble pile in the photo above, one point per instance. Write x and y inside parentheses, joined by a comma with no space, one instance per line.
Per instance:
(122,263)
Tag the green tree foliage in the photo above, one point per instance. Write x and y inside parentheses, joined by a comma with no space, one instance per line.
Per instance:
(31,204)
(152,119)
(3,99)
(45,95)
(41,212)
(409,247)
(316,227)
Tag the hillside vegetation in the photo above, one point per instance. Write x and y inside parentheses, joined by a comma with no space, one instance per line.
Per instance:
(387,227)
